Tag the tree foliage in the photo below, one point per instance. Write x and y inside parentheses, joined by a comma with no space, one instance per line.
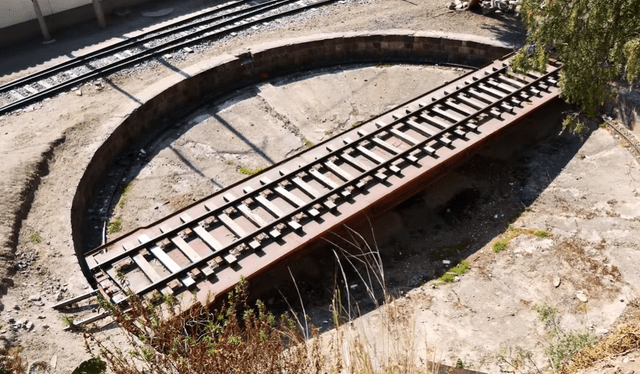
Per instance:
(598,41)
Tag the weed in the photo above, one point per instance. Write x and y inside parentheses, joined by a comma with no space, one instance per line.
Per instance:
(518,359)
(513,232)
(541,233)
(561,345)
(459,269)
(546,314)
(35,238)
(356,124)
(123,196)
(582,156)
(11,361)
(354,112)
(115,225)
(379,66)
(603,125)
(247,171)
(68,320)
(308,144)
(165,338)
(500,245)
(571,122)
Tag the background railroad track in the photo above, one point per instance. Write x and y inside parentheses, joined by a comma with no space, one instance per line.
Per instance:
(209,25)
(263,219)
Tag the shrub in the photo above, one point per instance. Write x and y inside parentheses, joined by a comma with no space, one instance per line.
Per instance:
(115,225)
(123,196)
(247,171)
(35,238)
(459,269)
(500,245)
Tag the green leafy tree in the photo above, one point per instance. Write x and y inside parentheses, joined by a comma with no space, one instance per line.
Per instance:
(598,41)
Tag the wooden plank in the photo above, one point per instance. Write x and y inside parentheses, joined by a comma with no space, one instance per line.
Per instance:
(146,268)
(167,261)
(256,219)
(75,299)
(449,114)
(182,245)
(161,255)
(467,110)
(246,211)
(203,234)
(420,128)
(304,186)
(482,96)
(478,105)
(391,148)
(513,82)
(16,95)
(228,222)
(268,205)
(372,156)
(495,92)
(44,84)
(339,172)
(328,182)
(354,162)
(502,86)
(404,137)
(290,197)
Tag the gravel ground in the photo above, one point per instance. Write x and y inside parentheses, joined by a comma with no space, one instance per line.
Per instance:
(44,145)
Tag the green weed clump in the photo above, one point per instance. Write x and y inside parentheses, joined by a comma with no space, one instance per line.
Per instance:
(512,232)
(459,269)
(123,196)
(35,238)
(247,171)
(500,245)
(561,345)
(115,225)
(308,144)
(67,320)
(573,125)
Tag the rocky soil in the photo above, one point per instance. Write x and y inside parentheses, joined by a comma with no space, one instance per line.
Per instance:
(580,188)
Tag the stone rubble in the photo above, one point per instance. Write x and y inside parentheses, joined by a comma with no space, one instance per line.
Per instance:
(488,6)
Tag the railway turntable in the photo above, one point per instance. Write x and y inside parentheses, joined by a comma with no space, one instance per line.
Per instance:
(262,221)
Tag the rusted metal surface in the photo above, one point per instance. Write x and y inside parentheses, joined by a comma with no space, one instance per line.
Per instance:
(272,216)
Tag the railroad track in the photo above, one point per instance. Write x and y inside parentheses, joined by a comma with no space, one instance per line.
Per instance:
(264,219)
(217,22)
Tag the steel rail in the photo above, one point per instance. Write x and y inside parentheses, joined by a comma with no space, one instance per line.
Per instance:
(174,44)
(114,48)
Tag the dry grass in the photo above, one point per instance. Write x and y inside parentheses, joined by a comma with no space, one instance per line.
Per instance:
(238,338)
(625,339)
(11,361)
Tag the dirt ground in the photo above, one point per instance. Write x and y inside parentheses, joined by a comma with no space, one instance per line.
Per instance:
(581,188)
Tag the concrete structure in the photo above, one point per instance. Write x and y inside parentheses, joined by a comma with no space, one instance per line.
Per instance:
(18,19)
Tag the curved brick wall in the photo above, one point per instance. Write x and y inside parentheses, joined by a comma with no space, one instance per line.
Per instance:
(216,77)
